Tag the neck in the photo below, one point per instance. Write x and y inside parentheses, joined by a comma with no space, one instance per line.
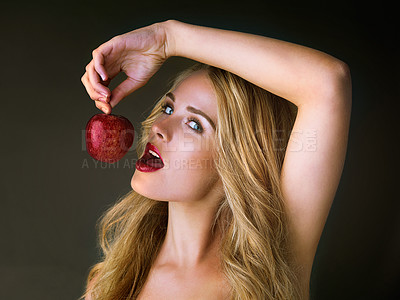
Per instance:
(189,240)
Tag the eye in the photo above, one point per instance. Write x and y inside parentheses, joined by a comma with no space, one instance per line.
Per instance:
(164,108)
(197,127)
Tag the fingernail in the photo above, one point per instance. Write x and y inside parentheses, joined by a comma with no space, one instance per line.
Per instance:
(105,97)
(103,77)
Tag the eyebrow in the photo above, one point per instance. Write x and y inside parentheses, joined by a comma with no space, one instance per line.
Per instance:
(194,110)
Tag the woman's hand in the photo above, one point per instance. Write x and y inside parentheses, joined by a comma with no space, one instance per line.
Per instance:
(139,54)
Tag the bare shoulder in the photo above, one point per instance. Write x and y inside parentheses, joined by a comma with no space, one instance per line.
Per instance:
(88,297)
(89,288)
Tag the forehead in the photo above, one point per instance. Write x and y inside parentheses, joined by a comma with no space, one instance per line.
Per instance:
(197,91)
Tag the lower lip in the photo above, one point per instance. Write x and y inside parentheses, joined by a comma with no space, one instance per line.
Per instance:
(143,167)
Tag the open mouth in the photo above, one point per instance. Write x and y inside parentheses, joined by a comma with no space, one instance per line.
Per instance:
(152,157)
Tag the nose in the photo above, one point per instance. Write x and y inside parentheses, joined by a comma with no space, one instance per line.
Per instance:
(160,129)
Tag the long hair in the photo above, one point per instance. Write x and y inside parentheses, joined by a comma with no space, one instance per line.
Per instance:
(253,130)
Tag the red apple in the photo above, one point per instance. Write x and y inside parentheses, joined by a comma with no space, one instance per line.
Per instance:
(109,137)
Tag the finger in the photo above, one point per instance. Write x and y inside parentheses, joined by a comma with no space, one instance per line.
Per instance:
(95,82)
(94,95)
(98,60)
(91,92)
(124,89)
(107,82)
(105,107)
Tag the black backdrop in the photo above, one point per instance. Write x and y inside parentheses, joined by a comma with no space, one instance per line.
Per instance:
(52,192)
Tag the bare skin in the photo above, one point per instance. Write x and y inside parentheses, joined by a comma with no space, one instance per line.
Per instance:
(202,280)
(318,84)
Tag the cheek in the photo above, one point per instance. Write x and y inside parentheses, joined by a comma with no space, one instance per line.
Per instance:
(192,165)
(193,172)
(186,177)
(195,145)
(195,159)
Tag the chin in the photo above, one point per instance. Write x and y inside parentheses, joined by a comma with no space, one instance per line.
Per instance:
(134,183)
(140,187)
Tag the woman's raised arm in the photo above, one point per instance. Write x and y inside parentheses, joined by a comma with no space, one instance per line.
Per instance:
(296,73)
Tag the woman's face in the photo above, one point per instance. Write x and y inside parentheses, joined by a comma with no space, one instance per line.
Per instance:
(184,139)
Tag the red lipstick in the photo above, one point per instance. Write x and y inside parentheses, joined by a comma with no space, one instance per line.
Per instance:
(151,160)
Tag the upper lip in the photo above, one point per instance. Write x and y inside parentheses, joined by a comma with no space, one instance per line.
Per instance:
(150,146)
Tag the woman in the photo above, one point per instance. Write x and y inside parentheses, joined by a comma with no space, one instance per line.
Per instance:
(245,185)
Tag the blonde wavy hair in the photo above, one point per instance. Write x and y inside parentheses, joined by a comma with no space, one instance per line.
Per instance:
(252,133)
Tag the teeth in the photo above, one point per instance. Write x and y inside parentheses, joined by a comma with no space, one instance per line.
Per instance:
(153,153)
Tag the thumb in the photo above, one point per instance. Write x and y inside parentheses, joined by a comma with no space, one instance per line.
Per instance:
(124,89)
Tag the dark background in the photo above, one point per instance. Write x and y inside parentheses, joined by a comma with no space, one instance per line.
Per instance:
(52,192)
